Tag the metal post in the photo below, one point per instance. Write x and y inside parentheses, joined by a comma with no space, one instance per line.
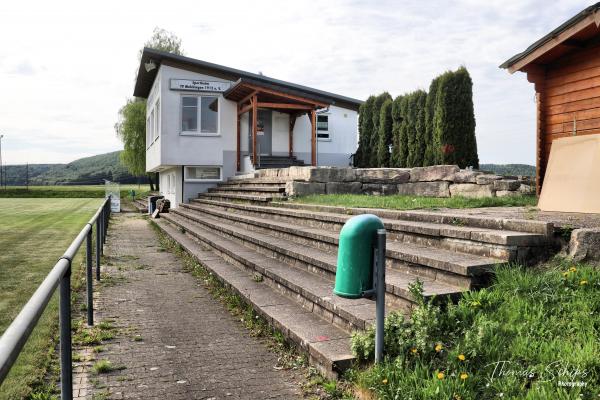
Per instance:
(66,373)
(98,251)
(380,295)
(89,278)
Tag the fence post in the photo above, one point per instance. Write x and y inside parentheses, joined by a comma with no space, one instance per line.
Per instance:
(98,246)
(89,277)
(66,366)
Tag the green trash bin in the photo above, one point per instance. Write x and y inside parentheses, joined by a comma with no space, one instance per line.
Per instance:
(354,274)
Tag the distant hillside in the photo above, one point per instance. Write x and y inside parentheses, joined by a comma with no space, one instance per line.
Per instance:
(85,171)
(509,169)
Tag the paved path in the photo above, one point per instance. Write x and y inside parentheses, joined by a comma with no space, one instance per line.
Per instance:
(191,347)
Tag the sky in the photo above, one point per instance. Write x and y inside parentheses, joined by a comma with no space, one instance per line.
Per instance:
(66,67)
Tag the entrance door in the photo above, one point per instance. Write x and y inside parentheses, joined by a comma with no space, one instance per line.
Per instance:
(263,133)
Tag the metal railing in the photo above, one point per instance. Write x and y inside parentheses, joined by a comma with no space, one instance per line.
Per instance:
(16,335)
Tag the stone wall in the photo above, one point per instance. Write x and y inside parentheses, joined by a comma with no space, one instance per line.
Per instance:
(435,181)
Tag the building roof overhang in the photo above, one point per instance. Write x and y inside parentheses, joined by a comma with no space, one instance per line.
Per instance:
(579,32)
(154,58)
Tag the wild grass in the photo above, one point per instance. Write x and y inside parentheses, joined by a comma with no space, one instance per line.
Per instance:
(67,191)
(34,233)
(413,202)
(525,337)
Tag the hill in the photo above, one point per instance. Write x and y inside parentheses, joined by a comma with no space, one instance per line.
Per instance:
(509,169)
(85,171)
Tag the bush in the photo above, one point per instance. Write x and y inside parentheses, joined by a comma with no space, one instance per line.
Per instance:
(517,339)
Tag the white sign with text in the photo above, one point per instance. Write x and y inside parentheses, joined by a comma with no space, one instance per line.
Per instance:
(199,85)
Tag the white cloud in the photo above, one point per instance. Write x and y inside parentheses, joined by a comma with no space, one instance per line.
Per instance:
(77,60)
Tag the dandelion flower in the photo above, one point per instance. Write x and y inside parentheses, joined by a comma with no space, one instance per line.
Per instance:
(413,350)
(384,381)
(464,376)
(438,347)
(462,357)
(566,273)
(584,282)
(573,269)
(440,375)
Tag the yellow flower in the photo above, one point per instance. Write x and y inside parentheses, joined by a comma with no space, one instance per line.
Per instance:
(438,347)
(384,381)
(461,357)
(583,283)
(440,375)
(573,269)
(414,351)
(566,273)
(464,376)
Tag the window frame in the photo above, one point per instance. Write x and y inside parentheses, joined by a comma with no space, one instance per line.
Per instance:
(192,180)
(198,131)
(328,131)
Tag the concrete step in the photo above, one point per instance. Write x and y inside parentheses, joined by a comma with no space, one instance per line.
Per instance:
(458,269)
(250,198)
(502,245)
(314,259)
(249,188)
(327,346)
(141,206)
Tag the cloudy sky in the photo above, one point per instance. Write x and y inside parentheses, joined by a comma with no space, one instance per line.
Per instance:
(67,67)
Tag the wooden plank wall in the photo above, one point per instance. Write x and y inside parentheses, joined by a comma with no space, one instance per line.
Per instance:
(572,97)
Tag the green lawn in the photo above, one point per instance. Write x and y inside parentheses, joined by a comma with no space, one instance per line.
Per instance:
(34,233)
(531,335)
(413,202)
(65,191)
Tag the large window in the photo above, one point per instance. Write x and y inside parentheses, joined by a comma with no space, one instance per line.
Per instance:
(200,174)
(200,115)
(323,127)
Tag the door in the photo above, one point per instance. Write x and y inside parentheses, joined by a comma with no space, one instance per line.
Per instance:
(263,133)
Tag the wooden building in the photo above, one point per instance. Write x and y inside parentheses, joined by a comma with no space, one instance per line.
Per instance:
(564,66)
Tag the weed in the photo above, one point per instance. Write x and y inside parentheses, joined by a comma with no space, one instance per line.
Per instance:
(105,366)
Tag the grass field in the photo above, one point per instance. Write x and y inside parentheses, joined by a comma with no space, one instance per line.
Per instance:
(413,202)
(65,191)
(34,233)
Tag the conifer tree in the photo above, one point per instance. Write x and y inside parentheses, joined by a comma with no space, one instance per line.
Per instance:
(385,134)
(431,149)
(403,132)
(396,122)
(364,129)
(416,131)
(379,100)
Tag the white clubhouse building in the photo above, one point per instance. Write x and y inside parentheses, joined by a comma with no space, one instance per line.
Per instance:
(206,122)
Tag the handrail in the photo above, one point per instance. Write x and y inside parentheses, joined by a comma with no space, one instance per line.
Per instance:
(16,335)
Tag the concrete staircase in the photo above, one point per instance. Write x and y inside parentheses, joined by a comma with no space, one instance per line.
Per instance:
(281,258)
(279,162)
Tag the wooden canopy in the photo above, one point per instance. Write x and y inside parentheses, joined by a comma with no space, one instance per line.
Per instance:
(250,96)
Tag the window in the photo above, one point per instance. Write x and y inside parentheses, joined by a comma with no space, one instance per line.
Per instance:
(195,174)
(323,127)
(157,120)
(200,115)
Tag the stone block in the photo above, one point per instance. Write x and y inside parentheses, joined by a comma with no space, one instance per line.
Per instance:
(332,174)
(269,172)
(300,173)
(527,189)
(294,188)
(507,193)
(506,184)
(379,189)
(585,245)
(433,173)
(471,190)
(487,179)
(466,176)
(427,189)
(343,187)
(382,175)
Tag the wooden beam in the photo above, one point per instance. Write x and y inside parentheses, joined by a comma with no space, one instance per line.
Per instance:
(540,159)
(285,106)
(293,117)
(254,127)
(238,143)
(245,109)
(313,136)
(259,89)
(247,98)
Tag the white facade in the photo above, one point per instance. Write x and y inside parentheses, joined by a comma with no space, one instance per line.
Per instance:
(175,153)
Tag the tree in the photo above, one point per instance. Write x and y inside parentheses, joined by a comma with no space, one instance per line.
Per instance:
(416,128)
(403,131)
(364,133)
(377,103)
(384,134)
(454,120)
(431,149)
(396,122)
(131,127)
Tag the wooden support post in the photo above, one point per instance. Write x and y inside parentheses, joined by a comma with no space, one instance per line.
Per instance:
(254,127)
(293,117)
(313,136)
(238,143)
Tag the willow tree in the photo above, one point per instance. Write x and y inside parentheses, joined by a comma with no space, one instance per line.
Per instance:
(131,127)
